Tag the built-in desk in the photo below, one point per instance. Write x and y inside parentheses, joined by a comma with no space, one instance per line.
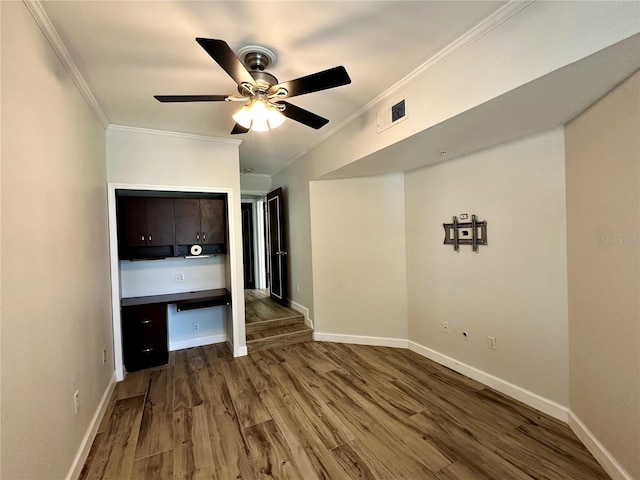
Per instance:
(144,323)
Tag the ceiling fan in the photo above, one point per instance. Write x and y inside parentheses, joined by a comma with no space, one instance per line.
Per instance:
(265,108)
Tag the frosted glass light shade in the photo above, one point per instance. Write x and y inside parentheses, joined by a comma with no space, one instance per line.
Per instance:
(259,116)
(243,117)
(276,118)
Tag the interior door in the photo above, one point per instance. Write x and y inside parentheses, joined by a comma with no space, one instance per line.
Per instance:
(247,245)
(277,247)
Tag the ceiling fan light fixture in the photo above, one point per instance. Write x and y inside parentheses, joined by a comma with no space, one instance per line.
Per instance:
(243,117)
(259,116)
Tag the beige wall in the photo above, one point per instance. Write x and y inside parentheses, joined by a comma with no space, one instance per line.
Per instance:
(603,231)
(56,315)
(515,287)
(294,181)
(187,162)
(359,266)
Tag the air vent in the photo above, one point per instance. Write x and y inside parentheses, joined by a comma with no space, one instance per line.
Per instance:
(392,115)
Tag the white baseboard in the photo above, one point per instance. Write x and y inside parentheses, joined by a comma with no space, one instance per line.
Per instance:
(601,454)
(90,435)
(302,309)
(241,351)
(197,342)
(514,391)
(360,340)
(525,396)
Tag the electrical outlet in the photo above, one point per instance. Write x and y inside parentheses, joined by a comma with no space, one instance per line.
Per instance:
(492,342)
(196,327)
(465,334)
(104,356)
(76,401)
(298,287)
(445,327)
(179,277)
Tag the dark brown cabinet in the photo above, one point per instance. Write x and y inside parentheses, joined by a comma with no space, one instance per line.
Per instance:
(200,221)
(144,323)
(168,224)
(145,222)
(144,336)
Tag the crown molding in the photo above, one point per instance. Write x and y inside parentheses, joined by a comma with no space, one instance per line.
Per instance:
(257,175)
(167,133)
(42,19)
(494,20)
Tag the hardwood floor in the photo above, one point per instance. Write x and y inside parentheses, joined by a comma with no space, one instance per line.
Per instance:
(269,324)
(259,307)
(324,411)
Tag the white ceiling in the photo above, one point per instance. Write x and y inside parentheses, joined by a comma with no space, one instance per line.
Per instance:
(128,51)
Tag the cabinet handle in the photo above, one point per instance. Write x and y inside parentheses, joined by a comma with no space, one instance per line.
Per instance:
(144,322)
(142,237)
(197,236)
(204,236)
(146,350)
(149,237)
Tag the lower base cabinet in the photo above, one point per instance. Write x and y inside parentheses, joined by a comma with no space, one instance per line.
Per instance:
(144,336)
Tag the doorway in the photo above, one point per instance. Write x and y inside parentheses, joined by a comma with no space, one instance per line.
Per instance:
(254,242)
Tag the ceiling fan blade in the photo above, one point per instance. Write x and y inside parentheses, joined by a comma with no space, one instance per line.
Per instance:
(221,52)
(334,77)
(303,116)
(237,129)
(190,98)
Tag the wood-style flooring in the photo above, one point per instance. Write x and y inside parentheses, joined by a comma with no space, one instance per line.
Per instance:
(258,307)
(324,411)
(269,324)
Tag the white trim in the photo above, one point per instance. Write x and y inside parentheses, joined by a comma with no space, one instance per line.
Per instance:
(42,19)
(241,351)
(261,254)
(302,309)
(360,340)
(601,454)
(114,266)
(252,192)
(481,29)
(90,435)
(261,175)
(167,133)
(197,342)
(514,391)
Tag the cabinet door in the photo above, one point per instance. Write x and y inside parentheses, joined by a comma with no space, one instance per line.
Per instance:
(144,336)
(213,221)
(187,211)
(160,226)
(132,221)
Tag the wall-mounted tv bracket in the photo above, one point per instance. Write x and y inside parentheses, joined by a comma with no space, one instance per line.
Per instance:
(472,233)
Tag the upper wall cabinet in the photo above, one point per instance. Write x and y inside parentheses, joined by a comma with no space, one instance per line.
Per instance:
(145,222)
(201,221)
(166,224)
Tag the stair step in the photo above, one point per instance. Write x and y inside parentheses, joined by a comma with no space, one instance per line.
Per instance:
(279,337)
(264,325)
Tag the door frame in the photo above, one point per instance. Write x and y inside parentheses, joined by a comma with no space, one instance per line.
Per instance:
(250,281)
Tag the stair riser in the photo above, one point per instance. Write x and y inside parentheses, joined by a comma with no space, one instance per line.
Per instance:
(271,324)
(280,341)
